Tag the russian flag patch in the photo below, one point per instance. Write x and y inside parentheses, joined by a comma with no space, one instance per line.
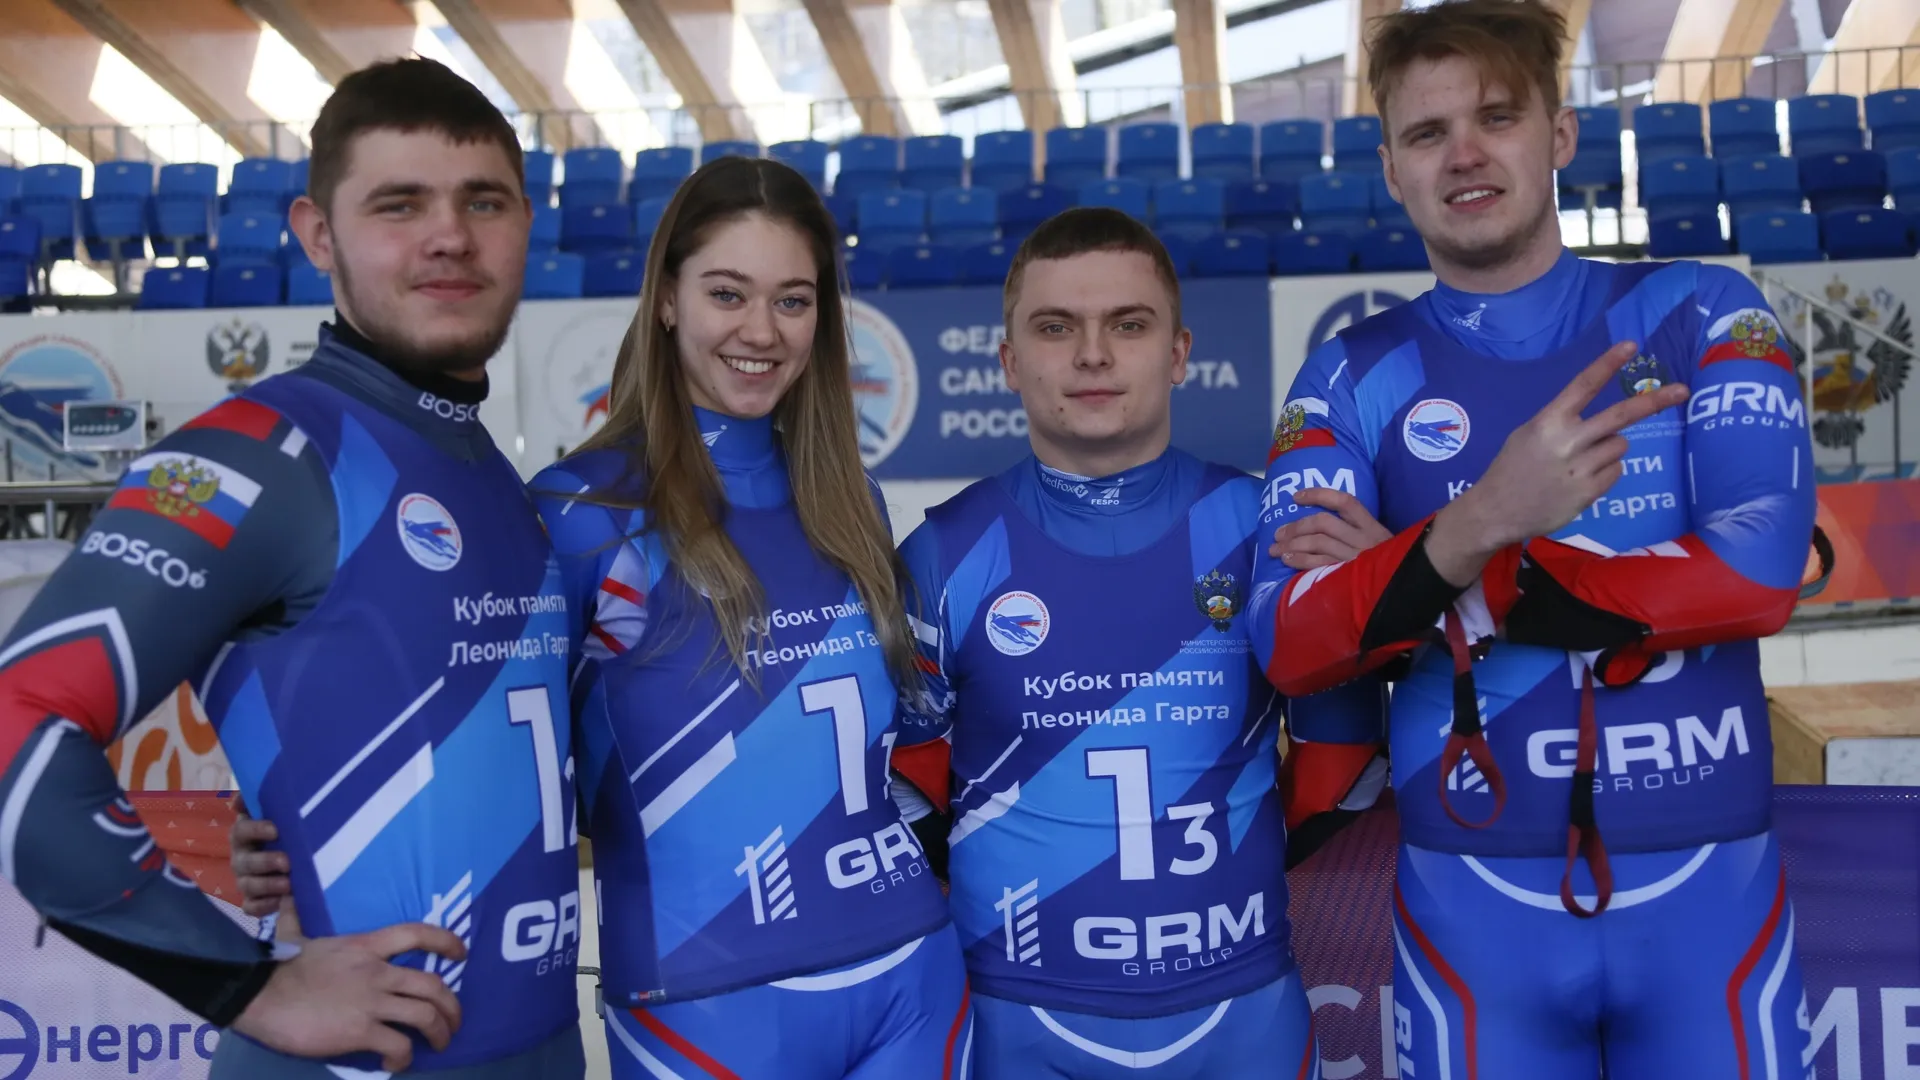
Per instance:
(204,497)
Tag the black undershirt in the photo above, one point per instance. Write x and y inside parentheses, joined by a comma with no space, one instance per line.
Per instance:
(437,383)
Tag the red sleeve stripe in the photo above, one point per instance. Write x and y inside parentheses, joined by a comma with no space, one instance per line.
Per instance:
(1300,440)
(249,418)
(206,526)
(1745,350)
(73,680)
(624,591)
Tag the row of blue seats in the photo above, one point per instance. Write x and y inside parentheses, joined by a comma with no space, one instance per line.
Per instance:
(1788,236)
(1816,124)
(1844,180)
(1001,160)
(960,216)
(565,275)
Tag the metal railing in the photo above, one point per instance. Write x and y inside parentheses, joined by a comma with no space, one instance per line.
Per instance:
(1834,337)
(51,510)
(968,108)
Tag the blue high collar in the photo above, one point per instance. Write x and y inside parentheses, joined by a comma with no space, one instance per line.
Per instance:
(1529,322)
(1106,515)
(1105,495)
(747,454)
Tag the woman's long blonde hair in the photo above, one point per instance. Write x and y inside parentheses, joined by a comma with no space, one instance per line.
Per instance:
(672,479)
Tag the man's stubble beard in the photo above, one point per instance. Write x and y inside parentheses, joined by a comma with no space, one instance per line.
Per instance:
(1489,256)
(396,348)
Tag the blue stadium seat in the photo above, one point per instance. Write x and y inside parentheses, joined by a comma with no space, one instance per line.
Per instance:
(245,285)
(16,279)
(986,264)
(1179,253)
(1022,210)
(865,269)
(9,188)
(1356,144)
(1866,234)
(845,209)
(1893,116)
(922,266)
(1335,202)
(1291,149)
(183,208)
(1667,129)
(646,220)
(248,238)
(260,186)
(1267,205)
(1232,254)
(538,165)
(891,219)
(1149,153)
(1903,177)
(1390,250)
(1850,180)
(868,163)
(587,229)
(1223,152)
(1386,211)
(1311,252)
(1130,196)
(592,177)
(959,217)
(1003,160)
(1190,208)
(174,287)
(1595,168)
(1824,124)
(1076,156)
(1682,184)
(308,285)
(613,273)
(1685,236)
(116,216)
(808,157)
(19,238)
(1778,238)
(123,180)
(545,234)
(718,149)
(1743,126)
(116,229)
(554,276)
(932,162)
(657,173)
(1759,184)
(50,194)
(1598,124)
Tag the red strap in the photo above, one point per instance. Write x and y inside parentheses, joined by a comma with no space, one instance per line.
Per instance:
(1583,831)
(1467,739)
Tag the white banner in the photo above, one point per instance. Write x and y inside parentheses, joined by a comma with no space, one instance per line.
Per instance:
(46,363)
(566,350)
(1856,381)
(79,1018)
(1309,310)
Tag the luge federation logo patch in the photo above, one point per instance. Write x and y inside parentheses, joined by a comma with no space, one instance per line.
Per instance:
(1435,429)
(1217,595)
(1017,623)
(428,532)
